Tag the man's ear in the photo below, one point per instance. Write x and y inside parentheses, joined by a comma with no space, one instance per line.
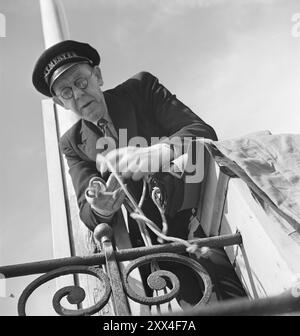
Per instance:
(98,74)
(58,101)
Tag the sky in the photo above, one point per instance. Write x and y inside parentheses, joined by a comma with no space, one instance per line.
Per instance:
(236,63)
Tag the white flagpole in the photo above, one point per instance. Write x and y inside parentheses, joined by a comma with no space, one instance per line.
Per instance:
(55,26)
(69,234)
(53,33)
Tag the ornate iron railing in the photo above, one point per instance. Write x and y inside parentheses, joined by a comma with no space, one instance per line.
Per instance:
(116,286)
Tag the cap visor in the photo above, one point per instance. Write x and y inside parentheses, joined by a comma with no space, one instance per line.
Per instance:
(61,70)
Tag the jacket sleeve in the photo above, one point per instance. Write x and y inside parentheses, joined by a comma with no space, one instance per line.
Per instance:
(175,121)
(173,117)
(81,172)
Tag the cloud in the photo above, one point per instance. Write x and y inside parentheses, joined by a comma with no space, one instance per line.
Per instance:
(163,11)
(174,7)
(178,6)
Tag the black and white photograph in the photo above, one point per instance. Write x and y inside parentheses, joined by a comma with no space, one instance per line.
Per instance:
(150,160)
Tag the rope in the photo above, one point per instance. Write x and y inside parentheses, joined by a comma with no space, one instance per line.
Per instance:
(140,217)
(155,199)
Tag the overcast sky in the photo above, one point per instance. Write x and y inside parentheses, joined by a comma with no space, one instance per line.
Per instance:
(234,62)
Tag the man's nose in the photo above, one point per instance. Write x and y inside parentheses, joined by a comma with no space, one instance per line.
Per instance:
(77,92)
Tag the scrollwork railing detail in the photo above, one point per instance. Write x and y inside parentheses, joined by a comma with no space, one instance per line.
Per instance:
(156,280)
(74,294)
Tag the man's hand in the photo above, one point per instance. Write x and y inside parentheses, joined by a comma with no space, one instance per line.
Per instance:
(136,162)
(105,199)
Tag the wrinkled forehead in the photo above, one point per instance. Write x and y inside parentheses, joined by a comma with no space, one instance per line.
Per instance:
(69,76)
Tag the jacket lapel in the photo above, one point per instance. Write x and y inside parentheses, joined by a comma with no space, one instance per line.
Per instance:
(89,134)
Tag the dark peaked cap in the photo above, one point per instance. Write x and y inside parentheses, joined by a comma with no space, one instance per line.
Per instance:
(58,55)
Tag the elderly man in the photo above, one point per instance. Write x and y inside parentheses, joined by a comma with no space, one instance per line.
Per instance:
(69,72)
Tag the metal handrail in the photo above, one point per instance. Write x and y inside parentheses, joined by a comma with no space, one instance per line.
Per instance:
(44,266)
(115,283)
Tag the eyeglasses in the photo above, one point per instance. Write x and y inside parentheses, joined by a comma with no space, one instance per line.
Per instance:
(81,83)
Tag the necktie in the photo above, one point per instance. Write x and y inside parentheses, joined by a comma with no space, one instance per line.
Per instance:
(108,131)
(107,128)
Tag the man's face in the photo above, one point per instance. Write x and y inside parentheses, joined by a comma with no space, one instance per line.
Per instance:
(88,103)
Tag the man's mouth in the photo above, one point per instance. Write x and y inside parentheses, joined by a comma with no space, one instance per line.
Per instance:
(86,105)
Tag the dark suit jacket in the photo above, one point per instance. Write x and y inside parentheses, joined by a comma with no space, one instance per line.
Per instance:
(145,108)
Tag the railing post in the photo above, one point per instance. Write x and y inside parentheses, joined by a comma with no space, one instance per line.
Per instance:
(103,233)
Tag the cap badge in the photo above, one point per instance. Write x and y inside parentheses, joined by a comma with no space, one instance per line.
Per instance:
(58,59)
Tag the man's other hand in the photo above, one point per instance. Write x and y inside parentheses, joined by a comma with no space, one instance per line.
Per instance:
(136,162)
